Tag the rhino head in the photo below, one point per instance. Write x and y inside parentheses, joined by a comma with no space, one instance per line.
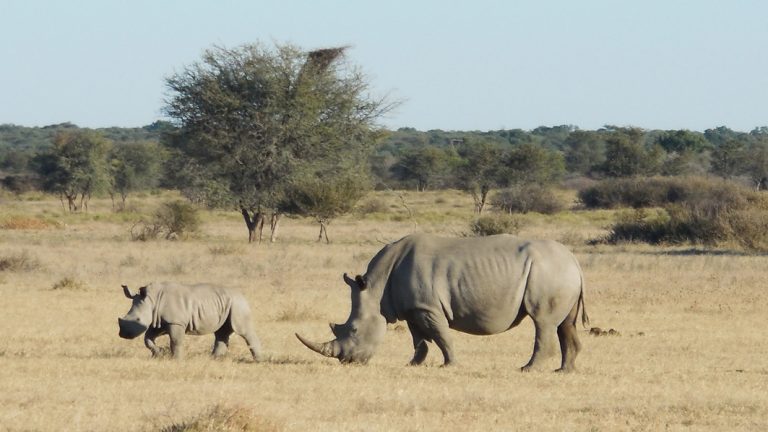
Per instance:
(139,317)
(357,339)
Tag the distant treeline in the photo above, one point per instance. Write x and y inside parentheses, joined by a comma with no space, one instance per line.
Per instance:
(410,159)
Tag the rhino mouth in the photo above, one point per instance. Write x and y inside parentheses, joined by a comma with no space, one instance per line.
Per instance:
(130,329)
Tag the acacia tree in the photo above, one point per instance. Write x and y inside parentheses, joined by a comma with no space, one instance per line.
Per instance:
(728,158)
(325,198)
(757,158)
(627,155)
(134,166)
(584,151)
(248,118)
(427,166)
(481,171)
(533,164)
(75,167)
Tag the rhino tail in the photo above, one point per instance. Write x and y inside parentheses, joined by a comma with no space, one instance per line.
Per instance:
(580,302)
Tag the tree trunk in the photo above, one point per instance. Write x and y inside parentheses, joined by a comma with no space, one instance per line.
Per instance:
(480,203)
(259,224)
(252,223)
(84,201)
(71,201)
(123,198)
(323,231)
(273,225)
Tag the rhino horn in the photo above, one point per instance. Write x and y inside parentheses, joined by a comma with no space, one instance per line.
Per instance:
(328,349)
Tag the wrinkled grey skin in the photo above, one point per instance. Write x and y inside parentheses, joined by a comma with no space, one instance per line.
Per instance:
(176,310)
(481,286)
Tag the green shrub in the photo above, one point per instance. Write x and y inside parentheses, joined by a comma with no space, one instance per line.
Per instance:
(638,226)
(372,205)
(173,220)
(707,216)
(527,198)
(495,224)
(659,191)
(178,217)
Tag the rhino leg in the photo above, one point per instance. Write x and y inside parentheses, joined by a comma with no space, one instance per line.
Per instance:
(543,346)
(241,323)
(435,327)
(419,345)
(149,340)
(569,341)
(221,344)
(176,333)
(253,343)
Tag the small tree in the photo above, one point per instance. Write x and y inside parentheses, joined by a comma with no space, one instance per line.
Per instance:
(680,141)
(757,162)
(135,166)
(626,154)
(325,198)
(584,152)
(426,165)
(728,158)
(532,164)
(481,171)
(76,166)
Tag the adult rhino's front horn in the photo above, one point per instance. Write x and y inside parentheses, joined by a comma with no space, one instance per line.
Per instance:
(328,349)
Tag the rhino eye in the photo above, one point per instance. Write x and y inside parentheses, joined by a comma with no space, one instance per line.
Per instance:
(353,330)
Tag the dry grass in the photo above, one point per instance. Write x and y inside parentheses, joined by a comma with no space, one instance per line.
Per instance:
(24,223)
(691,354)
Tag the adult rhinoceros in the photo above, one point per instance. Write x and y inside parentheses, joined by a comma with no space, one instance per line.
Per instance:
(480,286)
(176,310)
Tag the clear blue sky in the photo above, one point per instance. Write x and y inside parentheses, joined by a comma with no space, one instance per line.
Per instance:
(479,65)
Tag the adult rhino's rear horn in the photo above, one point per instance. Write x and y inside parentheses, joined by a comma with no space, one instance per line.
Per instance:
(328,349)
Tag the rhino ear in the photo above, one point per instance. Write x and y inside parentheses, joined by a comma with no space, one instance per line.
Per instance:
(362,282)
(359,282)
(143,291)
(127,292)
(349,281)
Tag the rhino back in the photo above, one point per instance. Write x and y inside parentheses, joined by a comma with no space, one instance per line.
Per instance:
(201,309)
(478,283)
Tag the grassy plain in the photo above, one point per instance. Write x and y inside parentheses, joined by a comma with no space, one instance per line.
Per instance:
(691,354)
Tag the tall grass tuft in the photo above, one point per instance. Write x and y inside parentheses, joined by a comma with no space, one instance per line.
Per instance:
(69,284)
(224,419)
(19,262)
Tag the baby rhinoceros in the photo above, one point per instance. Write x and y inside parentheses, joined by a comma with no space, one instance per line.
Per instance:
(176,309)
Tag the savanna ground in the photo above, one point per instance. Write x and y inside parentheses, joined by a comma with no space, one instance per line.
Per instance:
(690,354)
